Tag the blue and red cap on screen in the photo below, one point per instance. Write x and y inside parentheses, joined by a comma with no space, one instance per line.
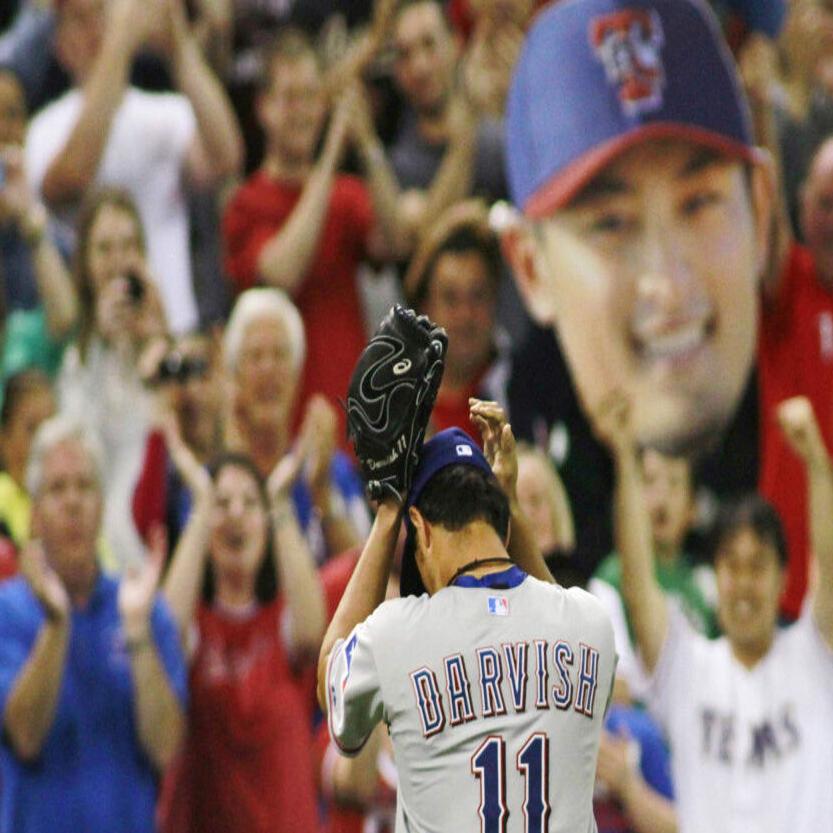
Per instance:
(446,448)
(596,77)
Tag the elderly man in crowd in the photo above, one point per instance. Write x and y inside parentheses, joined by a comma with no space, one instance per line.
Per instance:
(92,680)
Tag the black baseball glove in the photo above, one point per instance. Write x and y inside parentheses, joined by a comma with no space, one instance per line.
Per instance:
(390,399)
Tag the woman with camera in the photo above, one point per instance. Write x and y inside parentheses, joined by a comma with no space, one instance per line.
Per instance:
(121,316)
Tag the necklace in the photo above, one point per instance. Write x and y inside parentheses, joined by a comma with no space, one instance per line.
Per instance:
(478,562)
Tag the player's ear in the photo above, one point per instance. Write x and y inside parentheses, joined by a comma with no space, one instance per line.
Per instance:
(768,215)
(520,251)
(422,529)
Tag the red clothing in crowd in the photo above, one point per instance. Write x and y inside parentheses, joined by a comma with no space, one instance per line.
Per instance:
(248,759)
(379,817)
(462,17)
(328,296)
(795,358)
(335,575)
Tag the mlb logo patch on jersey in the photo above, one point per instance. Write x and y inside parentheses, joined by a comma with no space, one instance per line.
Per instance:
(498,605)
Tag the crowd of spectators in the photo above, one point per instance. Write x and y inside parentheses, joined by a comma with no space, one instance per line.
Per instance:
(205,207)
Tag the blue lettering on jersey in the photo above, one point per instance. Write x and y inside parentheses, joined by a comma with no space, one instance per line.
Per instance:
(459,690)
(542,675)
(587,680)
(571,689)
(562,692)
(516,665)
(429,701)
(491,677)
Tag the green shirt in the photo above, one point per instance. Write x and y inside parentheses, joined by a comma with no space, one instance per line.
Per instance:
(677,579)
(27,344)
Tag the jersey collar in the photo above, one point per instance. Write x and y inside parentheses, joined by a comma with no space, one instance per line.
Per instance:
(503,580)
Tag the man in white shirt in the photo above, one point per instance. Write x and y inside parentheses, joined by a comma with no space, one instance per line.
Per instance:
(106,132)
(749,716)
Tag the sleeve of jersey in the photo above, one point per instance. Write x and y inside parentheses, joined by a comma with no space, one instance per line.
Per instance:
(354,691)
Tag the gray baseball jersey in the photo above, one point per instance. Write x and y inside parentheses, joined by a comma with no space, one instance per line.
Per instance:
(494,691)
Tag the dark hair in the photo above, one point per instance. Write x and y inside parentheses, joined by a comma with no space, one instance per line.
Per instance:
(266,585)
(461,494)
(17,386)
(95,201)
(750,511)
(462,240)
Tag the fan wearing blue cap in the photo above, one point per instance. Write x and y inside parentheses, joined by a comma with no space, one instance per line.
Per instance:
(482,660)
(643,209)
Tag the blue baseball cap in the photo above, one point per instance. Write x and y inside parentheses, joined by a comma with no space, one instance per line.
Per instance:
(596,77)
(446,448)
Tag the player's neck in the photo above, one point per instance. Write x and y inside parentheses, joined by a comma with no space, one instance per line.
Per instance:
(477,542)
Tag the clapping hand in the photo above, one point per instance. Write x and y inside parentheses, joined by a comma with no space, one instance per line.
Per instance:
(193,473)
(285,474)
(45,583)
(318,436)
(137,589)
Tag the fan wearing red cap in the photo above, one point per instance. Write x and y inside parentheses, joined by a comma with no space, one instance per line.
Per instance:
(481,662)
(645,209)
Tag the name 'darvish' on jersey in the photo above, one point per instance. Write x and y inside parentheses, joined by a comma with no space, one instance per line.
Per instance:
(518,676)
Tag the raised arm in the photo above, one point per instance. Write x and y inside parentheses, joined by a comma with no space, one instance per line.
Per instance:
(319,439)
(758,67)
(296,573)
(183,581)
(287,255)
(802,432)
(395,240)
(73,169)
(366,588)
(55,287)
(160,718)
(454,177)
(644,598)
(218,149)
(30,708)
(358,55)
(499,448)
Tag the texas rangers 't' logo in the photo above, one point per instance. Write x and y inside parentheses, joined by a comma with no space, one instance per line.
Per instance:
(628,43)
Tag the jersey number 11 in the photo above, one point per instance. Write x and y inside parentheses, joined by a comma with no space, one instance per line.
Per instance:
(488,765)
